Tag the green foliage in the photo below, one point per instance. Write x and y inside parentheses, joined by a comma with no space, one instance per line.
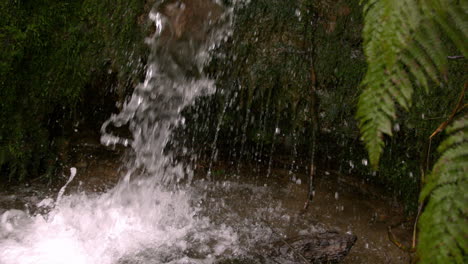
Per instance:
(51,51)
(443,228)
(404,48)
(267,71)
(403,45)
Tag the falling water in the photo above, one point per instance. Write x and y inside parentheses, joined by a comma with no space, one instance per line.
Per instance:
(157,213)
(272,149)
(292,168)
(214,150)
(174,79)
(244,138)
(146,216)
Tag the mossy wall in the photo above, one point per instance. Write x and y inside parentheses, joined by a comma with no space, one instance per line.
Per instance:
(53,51)
(264,98)
(281,52)
(60,60)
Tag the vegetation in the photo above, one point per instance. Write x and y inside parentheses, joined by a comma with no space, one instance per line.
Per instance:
(288,64)
(296,66)
(52,52)
(289,84)
(404,49)
(443,229)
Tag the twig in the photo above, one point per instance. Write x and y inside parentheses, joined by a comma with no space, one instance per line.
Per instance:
(415,227)
(455,57)
(394,240)
(310,192)
(286,242)
(460,106)
(433,118)
(315,128)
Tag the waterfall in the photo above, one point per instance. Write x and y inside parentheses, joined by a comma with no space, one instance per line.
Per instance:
(146,213)
(185,34)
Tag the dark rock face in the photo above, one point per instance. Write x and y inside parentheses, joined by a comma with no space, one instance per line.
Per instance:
(188,27)
(328,247)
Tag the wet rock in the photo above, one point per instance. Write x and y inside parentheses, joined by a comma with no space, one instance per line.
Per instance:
(82,164)
(328,247)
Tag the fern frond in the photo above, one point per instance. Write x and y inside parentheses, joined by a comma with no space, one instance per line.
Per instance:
(443,225)
(404,49)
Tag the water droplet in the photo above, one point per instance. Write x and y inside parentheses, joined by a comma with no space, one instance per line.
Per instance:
(298,13)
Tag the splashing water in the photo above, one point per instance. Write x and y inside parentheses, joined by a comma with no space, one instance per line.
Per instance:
(174,79)
(107,228)
(141,214)
(150,216)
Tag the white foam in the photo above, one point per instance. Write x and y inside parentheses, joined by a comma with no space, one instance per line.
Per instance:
(105,228)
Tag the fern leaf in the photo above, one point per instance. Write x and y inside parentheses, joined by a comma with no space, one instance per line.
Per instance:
(402,43)
(443,229)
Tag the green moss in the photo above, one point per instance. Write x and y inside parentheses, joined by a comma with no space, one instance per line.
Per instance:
(51,51)
(266,72)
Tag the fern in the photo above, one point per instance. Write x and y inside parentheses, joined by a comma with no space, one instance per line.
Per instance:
(404,50)
(402,43)
(443,226)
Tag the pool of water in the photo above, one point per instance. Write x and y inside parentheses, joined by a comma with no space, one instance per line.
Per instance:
(231,217)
